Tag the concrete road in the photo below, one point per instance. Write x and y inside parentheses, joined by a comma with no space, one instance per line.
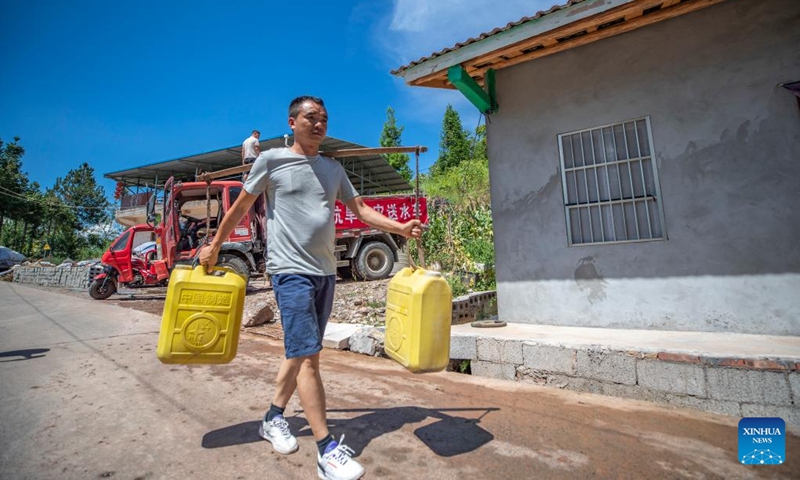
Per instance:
(84,397)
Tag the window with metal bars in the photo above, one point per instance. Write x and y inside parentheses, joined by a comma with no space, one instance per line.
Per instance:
(610,183)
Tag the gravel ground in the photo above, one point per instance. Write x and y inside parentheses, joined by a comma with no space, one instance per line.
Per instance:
(354,302)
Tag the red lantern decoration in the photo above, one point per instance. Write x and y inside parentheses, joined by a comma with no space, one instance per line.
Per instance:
(119,190)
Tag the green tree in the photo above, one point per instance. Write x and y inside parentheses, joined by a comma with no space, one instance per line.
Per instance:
(391,136)
(13,182)
(454,144)
(460,238)
(80,190)
(72,216)
(32,219)
(81,207)
(60,226)
(465,185)
(479,148)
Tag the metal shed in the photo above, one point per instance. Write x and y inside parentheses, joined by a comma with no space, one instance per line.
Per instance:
(370,174)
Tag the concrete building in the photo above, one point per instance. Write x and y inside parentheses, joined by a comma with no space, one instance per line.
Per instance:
(644,162)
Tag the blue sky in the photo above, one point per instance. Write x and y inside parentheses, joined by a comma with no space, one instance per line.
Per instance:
(122,84)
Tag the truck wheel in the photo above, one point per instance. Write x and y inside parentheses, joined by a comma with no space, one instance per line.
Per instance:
(355,273)
(375,261)
(236,264)
(345,272)
(98,292)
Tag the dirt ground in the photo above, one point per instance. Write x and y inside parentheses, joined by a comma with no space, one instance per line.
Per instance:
(84,397)
(360,302)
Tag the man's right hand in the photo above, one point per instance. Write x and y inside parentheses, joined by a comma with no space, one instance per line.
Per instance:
(208,257)
(209,253)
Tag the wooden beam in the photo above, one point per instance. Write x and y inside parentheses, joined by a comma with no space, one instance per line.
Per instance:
(656,16)
(633,11)
(569,29)
(487,47)
(228,172)
(357,152)
(435,80)
(511,55)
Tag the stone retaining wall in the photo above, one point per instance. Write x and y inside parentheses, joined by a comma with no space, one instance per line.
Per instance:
(75,277)
(737,387)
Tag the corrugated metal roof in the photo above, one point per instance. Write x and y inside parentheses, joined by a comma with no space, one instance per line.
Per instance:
(486,35)
(370,174)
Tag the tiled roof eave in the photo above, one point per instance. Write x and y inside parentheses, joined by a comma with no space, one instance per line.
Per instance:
(578,23)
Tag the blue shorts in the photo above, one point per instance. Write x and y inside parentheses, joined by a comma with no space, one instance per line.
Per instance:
(305,302)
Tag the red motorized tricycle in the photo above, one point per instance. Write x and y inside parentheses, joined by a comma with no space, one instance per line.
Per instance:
(130,262)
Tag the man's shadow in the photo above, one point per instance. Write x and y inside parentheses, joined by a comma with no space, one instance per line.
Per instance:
(28,354)
(448,436)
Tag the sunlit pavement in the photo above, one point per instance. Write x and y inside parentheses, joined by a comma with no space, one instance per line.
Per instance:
(83,396)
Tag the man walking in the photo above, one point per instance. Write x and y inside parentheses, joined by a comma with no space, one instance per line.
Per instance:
(302,187)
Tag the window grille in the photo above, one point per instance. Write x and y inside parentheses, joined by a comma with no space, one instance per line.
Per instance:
(610,183)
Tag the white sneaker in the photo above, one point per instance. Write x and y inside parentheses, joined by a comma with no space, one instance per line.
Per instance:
(337,464)
(276,432)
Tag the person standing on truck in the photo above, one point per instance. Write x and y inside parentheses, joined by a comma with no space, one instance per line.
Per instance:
(301,188)
(251,148)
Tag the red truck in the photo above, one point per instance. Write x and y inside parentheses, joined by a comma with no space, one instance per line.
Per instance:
(361,251)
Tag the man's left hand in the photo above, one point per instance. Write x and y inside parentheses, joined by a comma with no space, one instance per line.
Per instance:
(412,229)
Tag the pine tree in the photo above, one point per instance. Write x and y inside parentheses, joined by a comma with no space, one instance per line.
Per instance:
(13,182)
(80,189)
(391,137)
(65,216)
(82,206)
(454,146)
(479,149)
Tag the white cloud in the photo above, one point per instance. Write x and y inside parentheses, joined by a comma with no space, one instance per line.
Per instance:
(427,105)
(413,29)
(416,28)
(420,27)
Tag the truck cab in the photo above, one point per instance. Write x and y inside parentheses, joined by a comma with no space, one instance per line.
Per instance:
(193,210)
(191,213)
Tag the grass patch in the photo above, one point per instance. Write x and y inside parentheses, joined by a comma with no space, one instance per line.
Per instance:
(460,366)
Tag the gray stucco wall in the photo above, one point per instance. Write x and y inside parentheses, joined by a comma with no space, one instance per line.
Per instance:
(727,145)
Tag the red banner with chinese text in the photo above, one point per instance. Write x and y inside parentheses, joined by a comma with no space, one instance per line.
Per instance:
(400,208)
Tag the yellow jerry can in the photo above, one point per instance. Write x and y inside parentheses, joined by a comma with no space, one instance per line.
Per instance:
(419,307)
(202,316)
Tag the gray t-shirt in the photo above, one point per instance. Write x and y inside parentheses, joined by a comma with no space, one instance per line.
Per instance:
(301,198)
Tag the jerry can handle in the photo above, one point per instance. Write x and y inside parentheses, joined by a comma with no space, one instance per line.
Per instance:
(196,265)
